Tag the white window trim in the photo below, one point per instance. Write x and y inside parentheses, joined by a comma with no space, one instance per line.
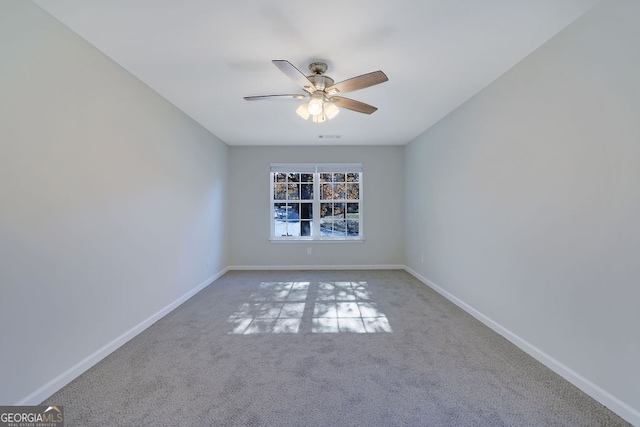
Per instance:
(316,168)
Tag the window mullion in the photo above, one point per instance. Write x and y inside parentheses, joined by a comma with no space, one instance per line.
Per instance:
(316,205)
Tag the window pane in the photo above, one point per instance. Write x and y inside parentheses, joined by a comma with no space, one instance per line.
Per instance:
(353,191)
(326,227)
(325,192)
(306,211)
(338,191)
(339,210)
(338,177)
(280,218)
(294,191)
(306,177)
(279,191)
(306,192)
(280,211)
(340,227)
(290,223)
(294,177)
(305,228)
(353,227)
(293,229)
(325,177)
(353,219)
(353,177)
(326,210)
(293,212)
(280,177)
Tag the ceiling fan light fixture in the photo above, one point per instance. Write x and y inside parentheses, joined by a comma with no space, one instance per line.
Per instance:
(320,89)
(303,111)
(315,106)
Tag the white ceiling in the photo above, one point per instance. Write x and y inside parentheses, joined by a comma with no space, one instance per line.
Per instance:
(205,55)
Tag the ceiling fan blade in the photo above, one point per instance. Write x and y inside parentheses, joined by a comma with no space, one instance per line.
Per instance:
(294,74)
(284,96)
(351,104)
(356,83)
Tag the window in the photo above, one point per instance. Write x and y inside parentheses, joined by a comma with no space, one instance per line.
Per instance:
(316,201)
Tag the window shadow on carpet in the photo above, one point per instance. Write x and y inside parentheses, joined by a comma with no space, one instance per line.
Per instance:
(309,307)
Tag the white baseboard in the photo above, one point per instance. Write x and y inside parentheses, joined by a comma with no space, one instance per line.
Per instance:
(624,410)
(66,377)
(319,267)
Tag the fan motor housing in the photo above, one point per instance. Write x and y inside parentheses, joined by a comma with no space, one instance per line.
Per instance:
(320,82)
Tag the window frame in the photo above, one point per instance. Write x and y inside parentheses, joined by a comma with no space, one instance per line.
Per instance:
(316,169)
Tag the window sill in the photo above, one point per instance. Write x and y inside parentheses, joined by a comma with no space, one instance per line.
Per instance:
(316,240)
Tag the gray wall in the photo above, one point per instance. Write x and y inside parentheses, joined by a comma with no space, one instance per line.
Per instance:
(383,205)
(111,203)
(524,203)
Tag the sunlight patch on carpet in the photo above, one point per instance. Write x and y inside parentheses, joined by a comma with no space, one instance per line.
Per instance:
(315,307)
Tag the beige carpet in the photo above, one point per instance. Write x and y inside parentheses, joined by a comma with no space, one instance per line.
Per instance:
(323,348)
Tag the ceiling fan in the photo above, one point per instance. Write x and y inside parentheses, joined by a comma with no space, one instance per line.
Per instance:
(323,94)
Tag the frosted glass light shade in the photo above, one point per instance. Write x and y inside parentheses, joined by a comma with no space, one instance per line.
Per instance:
(315,105)
(303,111)
(331,110)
